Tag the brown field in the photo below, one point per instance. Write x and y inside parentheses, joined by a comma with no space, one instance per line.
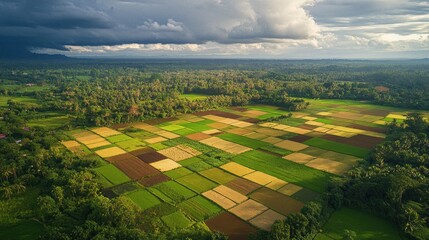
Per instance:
(309,118)
(90,139)
(357,140)
(297,130)
(270,132)
(153,180)
(135,169)
(276,184)
(152,156)
(82,133)
(218,125)
(314,123)
(239,131)
(165,165)
(230,194)
(290,189)
(259,178)
(230,225)
(98,144)
(254,113)
(375,112)
(239,109)
(198,136)
(272,140)
(241,124)
(248,209)
(141,151)
(166,134)
(105,131)
(301,158)
(251,120)
(237,149)
(160,120)
(328,165)
(291,145)
(277,201)
(366,128)
(189,150)
(175,153)
(120,157)
(121,126)
(219,114)
(266,219)
(300,138)
(70,144)
(155,140)
(243,186)
(110,152)
(237,169)
(219,199)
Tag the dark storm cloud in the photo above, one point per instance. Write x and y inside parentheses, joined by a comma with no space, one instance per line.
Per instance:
(56,23)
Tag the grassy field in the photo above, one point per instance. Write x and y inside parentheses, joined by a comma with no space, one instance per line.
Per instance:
(27,100)
(337,147)
(286,170)
(193,97)
(196,182)
(144,199)
(175,191)
(176,220)
(366,226)
(245,141)
(112,174)
(199,208)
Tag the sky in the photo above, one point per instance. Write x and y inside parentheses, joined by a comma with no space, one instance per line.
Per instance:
(271,29)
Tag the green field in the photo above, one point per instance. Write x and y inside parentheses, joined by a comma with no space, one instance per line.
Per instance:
(199,208)
(112,174)
(196,182)
(218,175)
(175,191)
(144,199)
(27,100)
(176,220)
(245,141)
(366,226)
(337,147)
(192,96)
(286,170)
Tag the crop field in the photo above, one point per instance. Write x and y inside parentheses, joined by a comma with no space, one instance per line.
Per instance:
(237,169)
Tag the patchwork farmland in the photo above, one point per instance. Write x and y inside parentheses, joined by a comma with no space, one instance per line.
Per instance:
(232,169)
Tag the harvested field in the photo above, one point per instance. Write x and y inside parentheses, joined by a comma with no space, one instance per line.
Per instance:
(198,136)
(165,165)
(166,134)
(300,138)
(110,152)
(276,184)
(146,127)
(328,165)
(141,151)
(291,145)
(175,154)
(366,128)
(196,182)
(266,219)
(105,132)
(90,139)
(135,169)
(199,208)
(155,140)
(290,189)
(248,209)
(219,199)
(237,169)
(70,144)
(270,132)
(212,131)
(120,157)
(251,120)
(82,133)
(189,150)
(154,180)
(243,186)
(151,157)
(217,175)
(232,226)
(255,135)
(300,158)
(254,113)
(272,140)
(239,109)
(277,201)
(230,194)
(237,149)
(218,125)
(338,147)
(259,178)
(339,157)
(239,131)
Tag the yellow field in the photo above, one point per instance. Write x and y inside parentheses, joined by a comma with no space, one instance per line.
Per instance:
(218,125)
(98,144)
(219,199)
(301,158)
(230,194)
(166,134)
(165,165)
(211,131)
(289,189)
(175,153)
(248,209)
(237,169)
(272,140)
(276,184)
(110,152)
(105,131)
(189,150)
(291,145)
(259,178)
(155,140)
(328,165)
(70,144)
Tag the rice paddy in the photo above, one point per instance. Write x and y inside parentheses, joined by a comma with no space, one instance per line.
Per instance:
(226,169)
